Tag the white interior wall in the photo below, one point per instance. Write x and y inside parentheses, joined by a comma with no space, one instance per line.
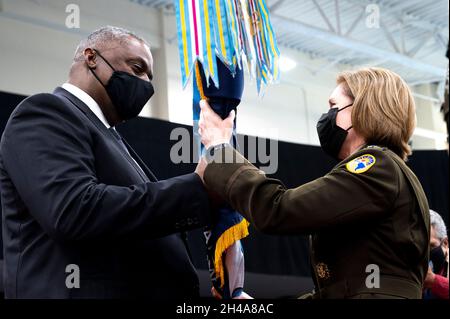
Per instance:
(36,51)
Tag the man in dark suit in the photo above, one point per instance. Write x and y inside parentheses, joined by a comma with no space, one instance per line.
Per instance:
(83,217)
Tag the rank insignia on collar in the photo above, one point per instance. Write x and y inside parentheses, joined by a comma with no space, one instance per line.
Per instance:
(361,164)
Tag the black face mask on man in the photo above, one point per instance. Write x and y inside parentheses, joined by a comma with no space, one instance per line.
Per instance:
(437,257)
(331,136)
(127,92)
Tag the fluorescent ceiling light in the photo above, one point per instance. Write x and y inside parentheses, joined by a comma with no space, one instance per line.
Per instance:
(287,64)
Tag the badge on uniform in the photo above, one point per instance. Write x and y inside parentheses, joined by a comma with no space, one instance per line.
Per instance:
(361,164)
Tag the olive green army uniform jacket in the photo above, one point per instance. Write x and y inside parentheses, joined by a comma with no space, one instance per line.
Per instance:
(368,219)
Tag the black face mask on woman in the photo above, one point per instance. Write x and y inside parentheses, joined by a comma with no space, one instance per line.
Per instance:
(127,92)
(331,136)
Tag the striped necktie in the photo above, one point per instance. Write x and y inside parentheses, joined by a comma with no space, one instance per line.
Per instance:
(120,140)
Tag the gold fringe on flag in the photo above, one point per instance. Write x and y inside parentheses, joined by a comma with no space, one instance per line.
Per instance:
(198,78)
(228,238)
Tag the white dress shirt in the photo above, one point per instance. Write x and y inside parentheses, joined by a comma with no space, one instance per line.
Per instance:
(88,100)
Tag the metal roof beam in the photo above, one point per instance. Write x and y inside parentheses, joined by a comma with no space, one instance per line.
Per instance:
(366,49)
(390,8)
(355,22)
(389,37)
(276,5)
(324,16)
(338,16)
(420,45)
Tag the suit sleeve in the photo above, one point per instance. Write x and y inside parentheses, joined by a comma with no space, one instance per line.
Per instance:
(47,151)
(340,197)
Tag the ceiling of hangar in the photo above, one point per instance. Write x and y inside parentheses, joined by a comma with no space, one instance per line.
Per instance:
(409,37)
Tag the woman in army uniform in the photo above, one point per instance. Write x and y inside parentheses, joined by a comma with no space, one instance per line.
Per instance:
(368,217)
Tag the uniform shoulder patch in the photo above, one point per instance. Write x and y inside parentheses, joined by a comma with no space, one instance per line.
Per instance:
(361,164)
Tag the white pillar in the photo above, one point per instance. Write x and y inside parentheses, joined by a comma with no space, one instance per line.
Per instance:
(431,133)
(159,103)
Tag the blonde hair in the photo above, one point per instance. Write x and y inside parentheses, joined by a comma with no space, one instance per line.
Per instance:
(383,107)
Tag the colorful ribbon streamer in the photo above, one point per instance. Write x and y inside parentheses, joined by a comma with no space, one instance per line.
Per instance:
(239,32)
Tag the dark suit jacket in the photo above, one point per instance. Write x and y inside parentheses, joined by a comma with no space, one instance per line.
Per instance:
(71,194)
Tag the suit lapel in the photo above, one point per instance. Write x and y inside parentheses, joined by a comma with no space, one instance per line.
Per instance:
(141,163)
(83,108)
(148,175)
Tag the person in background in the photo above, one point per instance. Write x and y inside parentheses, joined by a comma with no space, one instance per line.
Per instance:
(444,106)
(436,281)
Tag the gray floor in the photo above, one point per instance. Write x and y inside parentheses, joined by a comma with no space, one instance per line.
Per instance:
(256,285)
(1,276)
(264,286)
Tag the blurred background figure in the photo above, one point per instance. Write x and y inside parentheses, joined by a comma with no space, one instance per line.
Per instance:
(444,107)
(436,281)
